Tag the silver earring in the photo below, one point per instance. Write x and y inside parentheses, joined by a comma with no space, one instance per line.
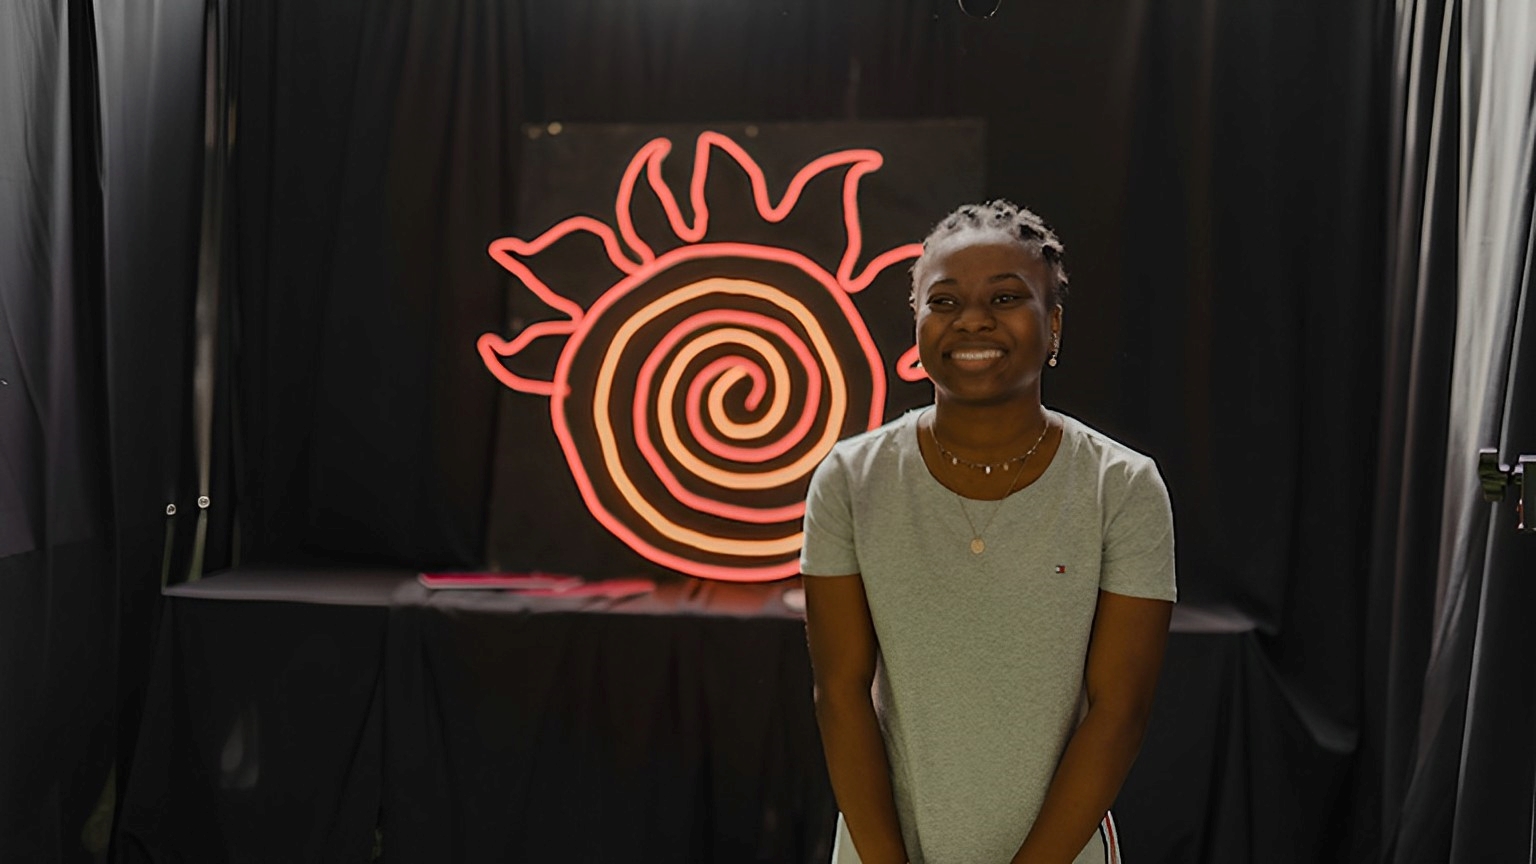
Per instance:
(1054,351)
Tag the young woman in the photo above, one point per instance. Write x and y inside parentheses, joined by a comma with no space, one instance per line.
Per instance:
(999,574)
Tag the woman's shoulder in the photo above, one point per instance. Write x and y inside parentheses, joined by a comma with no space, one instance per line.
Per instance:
(1092,449)
(887,438)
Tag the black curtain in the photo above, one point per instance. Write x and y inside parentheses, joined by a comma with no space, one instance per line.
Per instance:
(1421,270)
(1208,195)
(1449,769)
(98,223)
(57,636)
(1214,168)
(376,149)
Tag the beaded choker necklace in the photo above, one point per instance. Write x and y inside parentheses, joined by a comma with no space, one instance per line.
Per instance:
(986,467)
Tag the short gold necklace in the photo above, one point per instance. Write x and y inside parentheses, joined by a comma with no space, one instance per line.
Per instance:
(978,545)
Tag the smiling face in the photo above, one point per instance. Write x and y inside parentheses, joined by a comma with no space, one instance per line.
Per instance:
(986,319)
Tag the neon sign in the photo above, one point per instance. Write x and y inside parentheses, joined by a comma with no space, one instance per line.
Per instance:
(695,396)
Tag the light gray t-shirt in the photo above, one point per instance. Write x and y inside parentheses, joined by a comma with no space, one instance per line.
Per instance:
(980,680)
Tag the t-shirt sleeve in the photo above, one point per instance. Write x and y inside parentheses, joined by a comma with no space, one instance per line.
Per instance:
(828,547)
(1138,537)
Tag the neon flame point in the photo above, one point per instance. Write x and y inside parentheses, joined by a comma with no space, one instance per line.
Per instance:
(909,367)
(649,157)
(859,163)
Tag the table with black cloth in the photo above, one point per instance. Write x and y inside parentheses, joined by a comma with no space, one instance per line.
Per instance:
(356,716)
(338,717)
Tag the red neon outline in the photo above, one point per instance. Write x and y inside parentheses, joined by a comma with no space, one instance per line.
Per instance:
(493,349)
(696,425)
(649,155)
(909,367)
(614,460)
(859,162)
(558,401)
(658,464)
(740,368)
(562,432)
(667,393)
(713,375)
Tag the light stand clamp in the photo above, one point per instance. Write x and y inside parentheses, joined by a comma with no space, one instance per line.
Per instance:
(1496,479)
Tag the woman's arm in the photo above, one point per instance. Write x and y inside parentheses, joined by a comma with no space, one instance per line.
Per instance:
(1125,654)
(843,650)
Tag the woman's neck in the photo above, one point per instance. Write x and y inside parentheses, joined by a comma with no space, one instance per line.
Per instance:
(985,431)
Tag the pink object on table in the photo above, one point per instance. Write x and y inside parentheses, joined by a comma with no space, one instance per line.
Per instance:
(610,588)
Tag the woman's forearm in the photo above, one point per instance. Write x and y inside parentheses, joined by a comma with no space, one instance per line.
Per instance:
(861,775)
(1087,779)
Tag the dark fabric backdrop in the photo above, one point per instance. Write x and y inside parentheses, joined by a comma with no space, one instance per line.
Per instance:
(361,278)
(1216,170)
(1448,776)
(1421,270)
(1204,196)
(99,156)
(56,676)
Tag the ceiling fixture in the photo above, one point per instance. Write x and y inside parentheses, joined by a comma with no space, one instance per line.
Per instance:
(980,8)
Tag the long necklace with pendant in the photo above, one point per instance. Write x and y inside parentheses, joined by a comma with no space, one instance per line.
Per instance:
(978,544)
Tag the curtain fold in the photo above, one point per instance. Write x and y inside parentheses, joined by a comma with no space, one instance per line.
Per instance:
(150,63)
(93,187)
(374,161)
(1420,275)
(58,621)
(1445,567)
(1483,563)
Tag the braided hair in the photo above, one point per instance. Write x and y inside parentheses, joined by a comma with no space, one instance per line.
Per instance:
(1019,222)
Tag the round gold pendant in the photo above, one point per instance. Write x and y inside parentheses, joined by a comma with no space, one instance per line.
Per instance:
(977,546)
